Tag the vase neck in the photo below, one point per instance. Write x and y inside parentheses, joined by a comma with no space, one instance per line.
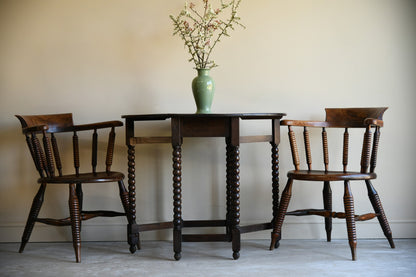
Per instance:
(203,71)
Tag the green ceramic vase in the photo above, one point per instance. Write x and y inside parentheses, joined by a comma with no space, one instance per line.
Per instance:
(203,88)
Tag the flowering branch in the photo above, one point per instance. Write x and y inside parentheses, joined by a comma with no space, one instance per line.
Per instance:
(202,31)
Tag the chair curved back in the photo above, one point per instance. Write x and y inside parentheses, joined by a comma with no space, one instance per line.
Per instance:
(370,119)
(40,133)
(55,122)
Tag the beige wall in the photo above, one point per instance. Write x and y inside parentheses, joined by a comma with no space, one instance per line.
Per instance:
(102,59)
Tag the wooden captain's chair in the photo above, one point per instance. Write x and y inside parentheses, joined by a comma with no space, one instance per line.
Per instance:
(368,119)
(41,133)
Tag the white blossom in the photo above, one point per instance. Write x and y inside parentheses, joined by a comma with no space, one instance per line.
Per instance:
(207,29)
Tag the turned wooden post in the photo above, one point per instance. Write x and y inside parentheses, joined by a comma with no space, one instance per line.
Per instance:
(294,148)
(375,149)
(56,154)
(275,178)
(381,216)
(346,143)
(39,156)
(229,180)
(33,215)
(284,203)
(325,148)
(350,218)
(307,147)
(176,125)
(76,152)
(327,198)
(110,150)
(94,151)
(365,155)
(50,169)
(74,211)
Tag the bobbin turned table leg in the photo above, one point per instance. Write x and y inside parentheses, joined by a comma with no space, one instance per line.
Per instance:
(228,191)
(176,125)
(235,201)
(233,168)
(275,183)
(133,235)
(177,201)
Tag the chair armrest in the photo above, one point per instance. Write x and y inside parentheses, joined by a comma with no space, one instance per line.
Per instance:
(336,124)
(35,129)
(374,122)
(98,125)
(304,123)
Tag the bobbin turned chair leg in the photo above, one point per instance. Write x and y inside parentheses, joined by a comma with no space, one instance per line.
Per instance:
(278,221)
(80,196)
(75,221)
(33,215)
(378,208)
(350,218)
(327,196)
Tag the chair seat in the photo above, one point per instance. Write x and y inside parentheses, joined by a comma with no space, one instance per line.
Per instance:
(321,175)
(84,178)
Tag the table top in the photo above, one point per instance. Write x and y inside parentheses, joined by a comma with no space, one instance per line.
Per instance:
(163,116)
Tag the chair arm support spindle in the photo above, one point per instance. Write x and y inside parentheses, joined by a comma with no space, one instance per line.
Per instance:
(94,151)
(307,147)
(48,153)
(365,155)
(325,148)
(75,144)
(40,156)
(346,143)
(110,149)
(294,148)
(56,154)
(375,149)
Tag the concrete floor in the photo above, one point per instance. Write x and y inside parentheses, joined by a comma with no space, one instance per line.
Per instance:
(293,258)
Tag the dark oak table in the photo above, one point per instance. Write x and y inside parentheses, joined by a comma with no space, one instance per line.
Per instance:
(203,125)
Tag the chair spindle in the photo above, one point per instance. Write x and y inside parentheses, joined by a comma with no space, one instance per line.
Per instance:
(345,149)
(48,153)
(294,148)
(110,149)
(325,148)
(32,152)
(56,154)
(307,148)
(375,150)
(94,151)
(40,157)
(76,152)
(365,155)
